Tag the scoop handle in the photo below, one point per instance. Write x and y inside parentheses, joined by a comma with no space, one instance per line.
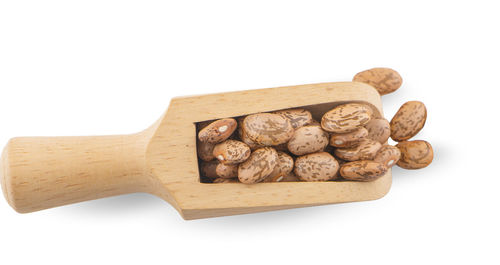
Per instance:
(42,172)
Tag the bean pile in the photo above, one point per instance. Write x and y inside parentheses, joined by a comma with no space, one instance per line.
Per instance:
(348,143)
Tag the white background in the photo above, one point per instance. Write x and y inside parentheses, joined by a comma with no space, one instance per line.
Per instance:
(110,67)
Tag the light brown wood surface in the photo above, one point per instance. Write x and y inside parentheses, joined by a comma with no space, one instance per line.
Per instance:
(43,172)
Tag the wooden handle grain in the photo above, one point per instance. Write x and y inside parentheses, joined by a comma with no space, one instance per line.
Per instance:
(43,172)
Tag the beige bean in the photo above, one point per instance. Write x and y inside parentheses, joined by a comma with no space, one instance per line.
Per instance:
(258,166)
(415,154)
(346,118)
(366,150)
(363,170)
(378,130)
(388,155)
(350,139)
(244,138)
(298,117)
(231,152)
(217,131)
(284,167)
(408,121)
(267,129)
(384,80)
(316,167)
(308,139)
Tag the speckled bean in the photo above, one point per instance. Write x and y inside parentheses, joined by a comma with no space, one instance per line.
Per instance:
(316,167)
(284,167)
(363,170)
(384,80)
(350,139)
(231,152)
(346,118)
(378,130)
(217,131)
(267,129)
(258,166)
(388,155)
(366,150)
(308,139)
(298,117)
(408,121)
(415,154)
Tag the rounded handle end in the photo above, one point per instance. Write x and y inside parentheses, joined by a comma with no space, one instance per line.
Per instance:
(37,173)
(5,179)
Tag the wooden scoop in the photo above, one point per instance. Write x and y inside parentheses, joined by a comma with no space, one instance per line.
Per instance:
(43,172)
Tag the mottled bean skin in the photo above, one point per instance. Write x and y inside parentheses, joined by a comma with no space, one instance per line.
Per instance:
(366,150)
(346,118)
(308,139)
(231,152)
(267,129)
(316,167)
(363,170)
(378,130)
(258,166)
(298,117)
(388,155)
(350,139)
(415,154)
(244,138)
(408,121)
(284,167)
(384,80)
(217,131)
(275,176)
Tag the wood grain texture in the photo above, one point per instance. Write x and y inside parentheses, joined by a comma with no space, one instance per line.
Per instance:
(43,172)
